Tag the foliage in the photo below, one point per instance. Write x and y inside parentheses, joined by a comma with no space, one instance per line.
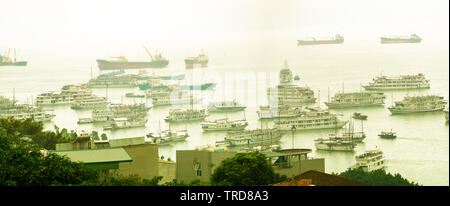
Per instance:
(245,169)
(24,166)
(30,133)
(377,178)
(104,137)
(94,135)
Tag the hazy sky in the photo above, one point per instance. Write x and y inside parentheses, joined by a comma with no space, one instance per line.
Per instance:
(80,23)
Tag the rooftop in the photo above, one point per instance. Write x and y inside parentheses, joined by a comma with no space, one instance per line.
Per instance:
(288,152)
(322,179)
(96,156)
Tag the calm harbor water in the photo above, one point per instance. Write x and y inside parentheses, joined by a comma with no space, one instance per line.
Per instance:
(420,153)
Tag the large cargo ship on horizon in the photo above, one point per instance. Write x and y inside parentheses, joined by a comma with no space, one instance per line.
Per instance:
(337,39)
(413,38)
(5,60)
(201,59)
(120,63)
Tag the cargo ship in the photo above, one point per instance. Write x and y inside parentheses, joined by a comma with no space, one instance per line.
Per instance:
(201,60)
(121,62)
(413,38)
(7,61)
(337,39)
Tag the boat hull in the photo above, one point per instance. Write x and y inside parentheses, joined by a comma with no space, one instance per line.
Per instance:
(110,65)
(298,128)
(342,106)
(394,111)
(22,63)
(385,40)
(337,147)
(318,42)
(397,88)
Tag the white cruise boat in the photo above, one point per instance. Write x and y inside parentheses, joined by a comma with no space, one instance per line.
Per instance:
(224,125)
(254,137)
(67,95)
(356,99)
(291,95)
(123,122)
(91,102)
(24,112)
(175,97)
(371,160)
(334,145)
(268,112)
(428,103)
(225,106)
(167,137)
(179,115)
(398,82)
(313,118)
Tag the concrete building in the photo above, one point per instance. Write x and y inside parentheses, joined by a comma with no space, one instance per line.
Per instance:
(196,164)
(103,160)
(292,162)
(145,161)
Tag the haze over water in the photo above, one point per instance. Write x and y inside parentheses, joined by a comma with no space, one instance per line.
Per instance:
(244,39)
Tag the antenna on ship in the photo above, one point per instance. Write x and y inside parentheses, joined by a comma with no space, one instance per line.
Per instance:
(14,96)
(319,97)
(328,93)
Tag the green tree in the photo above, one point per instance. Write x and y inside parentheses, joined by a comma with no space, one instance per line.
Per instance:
(28,132)
(25,166)
(377,178)
(94,135)
(104,137)
(245,169)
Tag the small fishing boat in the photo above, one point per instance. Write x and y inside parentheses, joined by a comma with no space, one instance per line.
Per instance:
(360,116)
(388,134)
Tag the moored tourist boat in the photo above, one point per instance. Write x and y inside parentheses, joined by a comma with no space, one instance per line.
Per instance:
(416,104)
(123,123)
(334,145)
(291,95)
(370,160)
(167,137)
(356,99)
(91,102)
(67,95)
(312,118)
(268,112)
(388,134)
(357,115)
(224,125)
(180,115)
(253,137)
(398,82)
(225,106)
